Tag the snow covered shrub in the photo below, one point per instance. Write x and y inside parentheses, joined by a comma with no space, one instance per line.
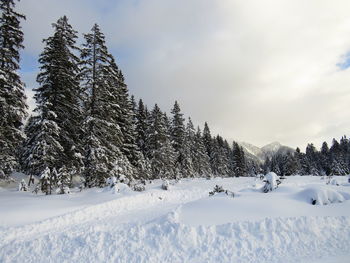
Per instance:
(271,182)
(139,188)
(143,181)
(260,176)
(120,188)
(36,188)
(45,181)
(217,189)
(63,181)
(220,189)
(111,181)
(23,186)
(165,185)
(63,190)
(123,179)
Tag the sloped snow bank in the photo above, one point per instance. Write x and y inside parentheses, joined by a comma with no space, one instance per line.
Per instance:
(320,195)
(164,239)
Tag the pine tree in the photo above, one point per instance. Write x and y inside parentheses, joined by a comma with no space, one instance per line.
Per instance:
(201,161)
(103,138)
(12,99)
(141,127)
(325,161)
(160,151)
(239,161)
(207,139)
(177,131)
(125,120)
(188,150)
(53,136)
(219,158)
(313,160)
(301,161)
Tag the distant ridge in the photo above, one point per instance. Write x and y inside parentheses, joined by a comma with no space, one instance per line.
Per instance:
(259,155)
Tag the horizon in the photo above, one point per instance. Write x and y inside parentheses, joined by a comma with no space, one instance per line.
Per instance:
(277,73)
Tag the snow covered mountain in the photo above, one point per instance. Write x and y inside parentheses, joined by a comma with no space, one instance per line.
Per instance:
(259,154)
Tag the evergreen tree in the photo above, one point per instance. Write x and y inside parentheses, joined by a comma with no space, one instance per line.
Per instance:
(160,151)
(337,160)
(177,131)
(301,161)
(141,127)
(104,136)
(313,160)
(188,150)
(53,135)
(218,158)
(324,158)
(125,120)
(239,162)
(200,159)
(12,99)
(207,139)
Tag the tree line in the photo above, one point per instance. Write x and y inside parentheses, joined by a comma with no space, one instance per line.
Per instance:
(334,160)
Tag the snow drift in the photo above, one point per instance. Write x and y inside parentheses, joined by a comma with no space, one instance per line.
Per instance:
(320,195)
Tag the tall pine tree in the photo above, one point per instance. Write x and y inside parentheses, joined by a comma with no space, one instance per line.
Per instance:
(103,135)
(159,149)
(12,99)
(53,134)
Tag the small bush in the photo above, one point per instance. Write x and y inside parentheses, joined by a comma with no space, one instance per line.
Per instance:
(220,189)
(139,188)
(165,185)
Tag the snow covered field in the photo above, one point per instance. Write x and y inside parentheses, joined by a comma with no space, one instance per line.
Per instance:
(183,224)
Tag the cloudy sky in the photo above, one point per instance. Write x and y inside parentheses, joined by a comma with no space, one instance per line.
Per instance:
(256,70)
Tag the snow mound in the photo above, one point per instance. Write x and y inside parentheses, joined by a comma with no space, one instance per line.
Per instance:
(118,188)
(319,195)
(272,178)
(334,182)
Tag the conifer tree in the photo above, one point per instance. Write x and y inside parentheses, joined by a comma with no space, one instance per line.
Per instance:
(201,161)
(313,160)
(299,159)
(141,127)
(103,138)
(160,151)
(207,139)
(125,120)
(177,132)
(53,135)
(239,160)
(324,158)
(219,158)
(189,150)
(12,99)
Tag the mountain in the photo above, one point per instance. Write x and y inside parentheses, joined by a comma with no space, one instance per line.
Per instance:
(259,155)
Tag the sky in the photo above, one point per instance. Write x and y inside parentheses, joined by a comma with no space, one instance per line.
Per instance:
(256,70)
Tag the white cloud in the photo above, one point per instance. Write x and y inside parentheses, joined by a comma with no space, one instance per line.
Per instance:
(257,71)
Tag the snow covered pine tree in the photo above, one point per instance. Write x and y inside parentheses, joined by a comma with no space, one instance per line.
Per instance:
(12,99)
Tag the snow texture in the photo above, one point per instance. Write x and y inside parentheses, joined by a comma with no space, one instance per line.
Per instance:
(182,224)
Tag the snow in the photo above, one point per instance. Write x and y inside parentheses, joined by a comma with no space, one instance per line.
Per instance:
(320,195)
(183,224)
(272,178)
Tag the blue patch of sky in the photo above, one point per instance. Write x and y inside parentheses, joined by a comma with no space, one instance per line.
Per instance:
(345,61)
(29,63)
